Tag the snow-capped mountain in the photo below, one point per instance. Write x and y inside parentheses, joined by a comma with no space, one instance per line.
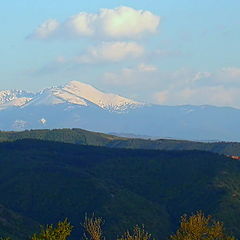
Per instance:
(110,101)
(17,98)
(79,105)
(81,94)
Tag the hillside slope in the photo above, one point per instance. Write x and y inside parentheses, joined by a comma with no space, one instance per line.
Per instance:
(14,225)
(48,181)
(83,137)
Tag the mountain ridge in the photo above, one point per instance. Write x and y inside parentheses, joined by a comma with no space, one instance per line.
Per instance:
(84,137)
(79,105)
(73,92)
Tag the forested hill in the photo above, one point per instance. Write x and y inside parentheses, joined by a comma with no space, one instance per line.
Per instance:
(83,137)
(48,181)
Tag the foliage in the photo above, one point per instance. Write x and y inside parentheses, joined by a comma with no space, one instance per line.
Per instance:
(93,228)
(60,232)
(200,227)
(195,227)
(138,233)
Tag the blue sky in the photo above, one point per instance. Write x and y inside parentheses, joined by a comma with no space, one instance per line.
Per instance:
(170,52)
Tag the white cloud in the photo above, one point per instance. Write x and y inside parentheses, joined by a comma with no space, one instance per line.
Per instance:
(80,25)
(127,22)
(181,87)
(47,29)
(130,76)
(229,74)
(118,23)
(161,97)
(61,59)
(111,51)
(225,76)
(201,75)
(200,88)
(125,77)
(146,68)
(232,71)
(206,95)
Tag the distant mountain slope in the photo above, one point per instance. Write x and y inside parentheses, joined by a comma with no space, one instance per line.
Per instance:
(103,100)
(83,137)
(48,181)
(74,92)
(79,105)
(75,136)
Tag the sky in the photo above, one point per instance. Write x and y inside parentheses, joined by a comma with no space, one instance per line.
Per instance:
(164,52)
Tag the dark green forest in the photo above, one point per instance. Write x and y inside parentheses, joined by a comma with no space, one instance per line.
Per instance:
(43,182)
(83,137)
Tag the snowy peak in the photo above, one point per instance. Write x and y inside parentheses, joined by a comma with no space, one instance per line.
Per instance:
(103,100)
(10,95)
(54,96)
(69,97)
(45,97)
(9,98)
(74,92)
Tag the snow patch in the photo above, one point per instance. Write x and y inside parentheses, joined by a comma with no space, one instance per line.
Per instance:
(70,98)
(17,98)
(104,100)
(74,92)
(45,97)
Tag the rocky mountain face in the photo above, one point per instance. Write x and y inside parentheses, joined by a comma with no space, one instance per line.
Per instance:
(79,105)
(9,98)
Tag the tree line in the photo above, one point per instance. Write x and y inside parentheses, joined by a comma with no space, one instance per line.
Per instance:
(194,227)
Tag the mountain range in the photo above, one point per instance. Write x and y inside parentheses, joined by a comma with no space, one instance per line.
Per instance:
(87,138)
(79,105)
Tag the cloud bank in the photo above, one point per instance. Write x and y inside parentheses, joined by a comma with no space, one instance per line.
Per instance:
(111,52)
(220,88)
(181,87)
(118,23)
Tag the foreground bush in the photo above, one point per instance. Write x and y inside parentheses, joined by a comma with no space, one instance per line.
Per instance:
(200,227)
(195,227)
(60,232)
